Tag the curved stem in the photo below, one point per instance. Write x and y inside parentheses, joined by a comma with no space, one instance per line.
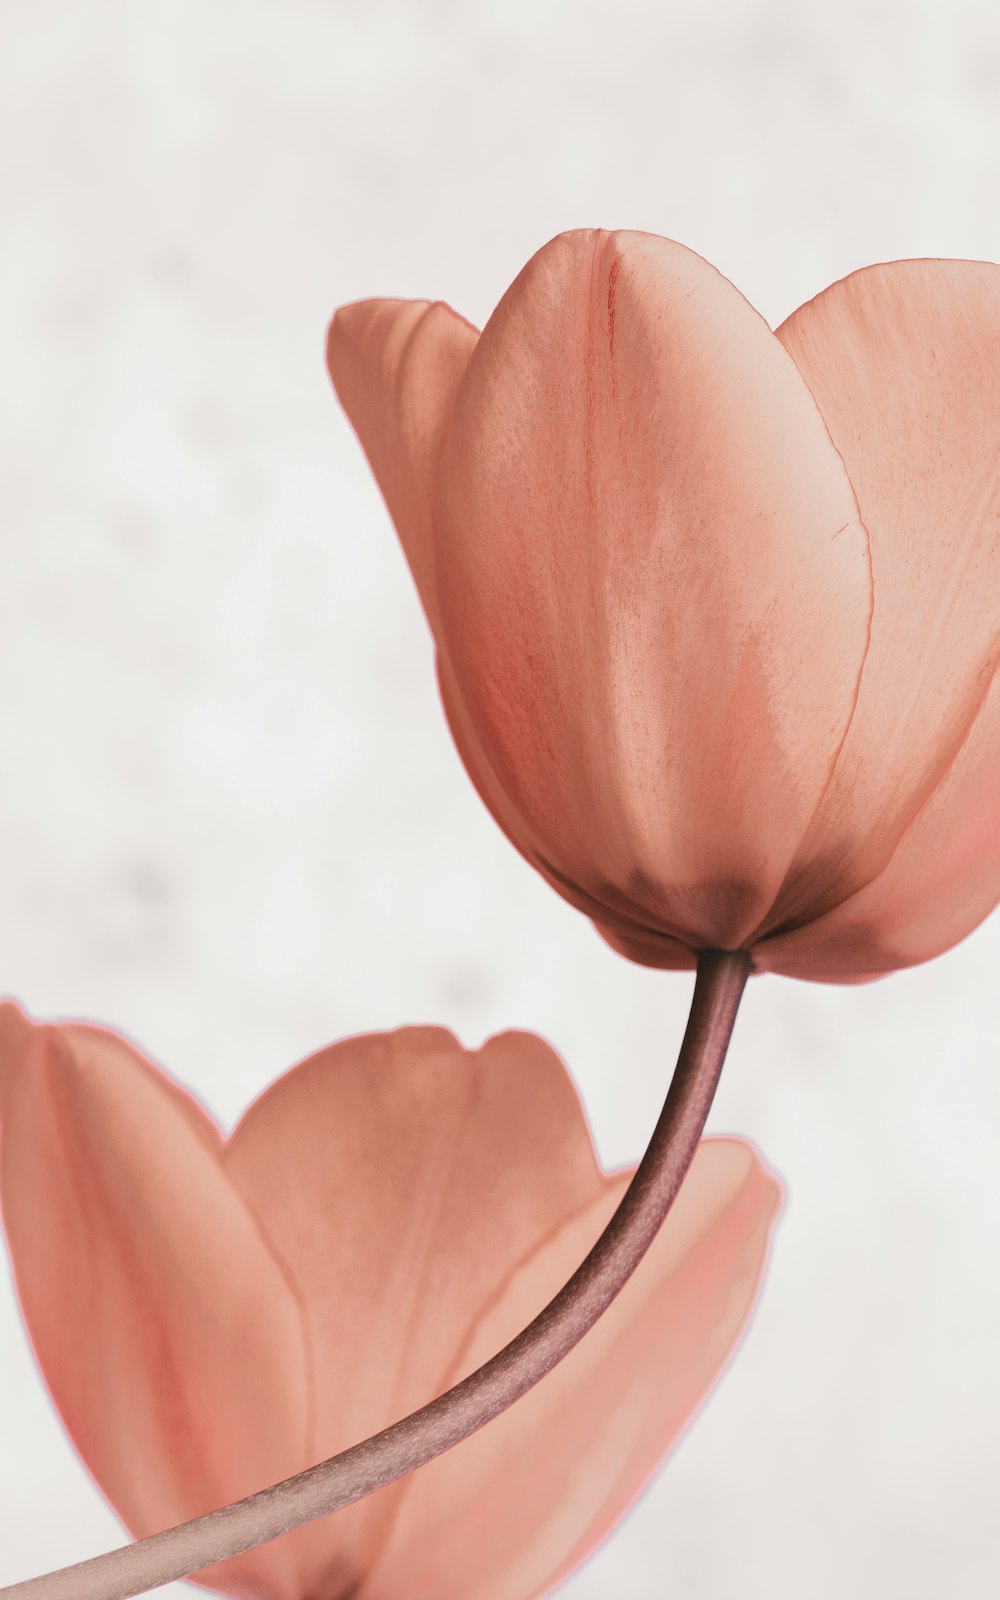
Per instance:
(359,1471)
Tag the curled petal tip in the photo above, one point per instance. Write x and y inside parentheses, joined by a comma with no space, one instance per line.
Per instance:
(396,366)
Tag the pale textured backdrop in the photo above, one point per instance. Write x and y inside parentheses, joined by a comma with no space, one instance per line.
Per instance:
(231,820)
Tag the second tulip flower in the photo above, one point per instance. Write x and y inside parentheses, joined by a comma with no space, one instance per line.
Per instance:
(213,1314)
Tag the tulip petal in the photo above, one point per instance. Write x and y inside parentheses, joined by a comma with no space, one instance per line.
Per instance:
(395,365)
(650,574)
(431,1169)
(904,362)
(158,1314)
(510,1511)
(942,879)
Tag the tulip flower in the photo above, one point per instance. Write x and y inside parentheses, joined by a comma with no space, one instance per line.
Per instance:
(211,1313)
(716,608)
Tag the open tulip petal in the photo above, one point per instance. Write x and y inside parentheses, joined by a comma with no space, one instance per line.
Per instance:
(430,1168)
(904,362)
(942,879)
(158,1314)
(396,365)
(650,574)
(513,1509)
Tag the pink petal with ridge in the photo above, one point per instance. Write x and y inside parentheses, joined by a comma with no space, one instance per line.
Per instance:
(159,1317)
(652,583)
(942,879)
(398,1176)
(510,1512)
(904,361)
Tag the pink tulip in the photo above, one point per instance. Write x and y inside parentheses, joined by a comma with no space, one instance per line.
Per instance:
(717,610)
(211,1314)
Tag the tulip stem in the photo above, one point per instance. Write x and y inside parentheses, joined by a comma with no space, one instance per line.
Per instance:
(397,1450)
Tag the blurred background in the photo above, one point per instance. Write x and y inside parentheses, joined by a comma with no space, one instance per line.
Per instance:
(231,819)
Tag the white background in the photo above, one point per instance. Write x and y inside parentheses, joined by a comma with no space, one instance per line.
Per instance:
(231,819)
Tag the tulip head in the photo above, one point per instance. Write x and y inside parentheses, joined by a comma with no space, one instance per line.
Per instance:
(214,1314)
(716,608)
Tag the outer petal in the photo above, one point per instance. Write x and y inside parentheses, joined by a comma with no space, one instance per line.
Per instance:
(400,1177)
(904,361)
(158,1315)
(942,879)
(652,582)
(512,1510)
(396,365)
